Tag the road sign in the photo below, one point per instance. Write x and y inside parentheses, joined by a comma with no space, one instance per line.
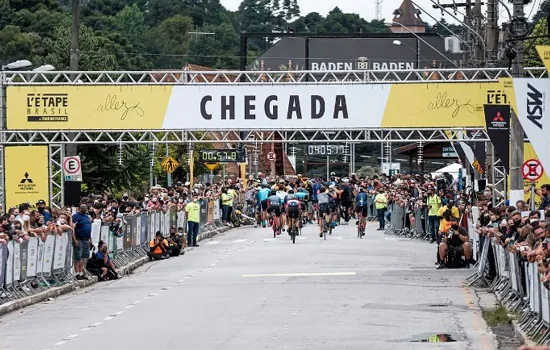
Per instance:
(532,170)
(211,166)
(72,168)
(169,164)
(271,156)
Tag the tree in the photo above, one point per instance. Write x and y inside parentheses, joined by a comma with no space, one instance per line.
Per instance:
(169,41)
(216,51)
(532,58)
(102,172)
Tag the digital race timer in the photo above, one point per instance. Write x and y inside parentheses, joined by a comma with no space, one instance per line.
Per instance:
(223,155)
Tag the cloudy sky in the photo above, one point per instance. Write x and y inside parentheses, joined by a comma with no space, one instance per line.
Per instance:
(366,8)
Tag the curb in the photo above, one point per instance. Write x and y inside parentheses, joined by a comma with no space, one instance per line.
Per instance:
(522,335)
(55,292)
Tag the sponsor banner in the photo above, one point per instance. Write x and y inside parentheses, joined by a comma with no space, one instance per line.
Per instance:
(88,107)
(544,53)
(26,174)
(450,105)
(497,120)
(265,107)
(533,108)
(472,152)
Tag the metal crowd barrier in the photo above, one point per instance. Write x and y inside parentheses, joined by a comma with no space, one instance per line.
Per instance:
(518,286)
(400,223)
(30,267)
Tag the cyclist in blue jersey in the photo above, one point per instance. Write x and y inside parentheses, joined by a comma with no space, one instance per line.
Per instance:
(361,207)
(262,196)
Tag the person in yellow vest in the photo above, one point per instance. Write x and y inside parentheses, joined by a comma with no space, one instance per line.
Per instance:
(192,211)
(226,200)
(434,203)
(233,196)
(381,204)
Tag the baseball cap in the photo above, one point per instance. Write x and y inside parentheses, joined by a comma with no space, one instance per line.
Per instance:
(41,202)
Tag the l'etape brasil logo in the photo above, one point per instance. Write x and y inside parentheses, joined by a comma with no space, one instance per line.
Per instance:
(50,107)
(26,185)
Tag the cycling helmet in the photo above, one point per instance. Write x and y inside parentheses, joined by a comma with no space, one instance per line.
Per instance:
(361,189)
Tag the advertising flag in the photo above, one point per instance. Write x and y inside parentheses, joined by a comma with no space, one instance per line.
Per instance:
(497,121)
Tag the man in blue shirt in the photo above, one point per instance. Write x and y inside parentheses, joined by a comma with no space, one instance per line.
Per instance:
(82,240)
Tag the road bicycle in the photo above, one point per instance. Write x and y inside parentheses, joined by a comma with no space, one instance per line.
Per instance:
(360,225)
(293,230)
(273,225)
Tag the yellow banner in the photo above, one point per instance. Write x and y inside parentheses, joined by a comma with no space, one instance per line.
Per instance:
(87,107)
(544,53)
(27,174)
(445,105)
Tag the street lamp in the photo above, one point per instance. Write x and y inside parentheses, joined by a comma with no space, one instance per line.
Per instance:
(17,64)
(44,68)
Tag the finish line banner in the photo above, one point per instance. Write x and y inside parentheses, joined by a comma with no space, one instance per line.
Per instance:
(260,107)
(27,175)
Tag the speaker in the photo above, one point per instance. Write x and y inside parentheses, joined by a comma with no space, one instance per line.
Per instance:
(72,193)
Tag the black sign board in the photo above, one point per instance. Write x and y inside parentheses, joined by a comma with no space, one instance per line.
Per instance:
(223,156)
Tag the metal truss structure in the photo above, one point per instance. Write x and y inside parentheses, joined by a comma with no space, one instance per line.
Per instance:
(405,135)
(57,139)
(264,77)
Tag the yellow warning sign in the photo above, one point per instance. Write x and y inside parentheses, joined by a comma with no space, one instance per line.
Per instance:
(169,164)
(211,166)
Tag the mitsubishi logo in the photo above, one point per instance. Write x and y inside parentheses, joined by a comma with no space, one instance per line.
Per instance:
(498,117)
(26,179)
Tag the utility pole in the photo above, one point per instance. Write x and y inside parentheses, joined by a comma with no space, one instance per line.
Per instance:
(516,131)
(71,189)
(492,48)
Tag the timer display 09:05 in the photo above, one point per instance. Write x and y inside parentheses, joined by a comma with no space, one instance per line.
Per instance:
(222,156)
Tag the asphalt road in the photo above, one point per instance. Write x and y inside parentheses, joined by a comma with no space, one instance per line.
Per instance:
(245,290)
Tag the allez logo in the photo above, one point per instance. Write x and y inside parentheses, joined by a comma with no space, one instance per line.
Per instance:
(273,107)
(535,106)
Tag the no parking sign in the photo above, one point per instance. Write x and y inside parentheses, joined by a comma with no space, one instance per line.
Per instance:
(72,168)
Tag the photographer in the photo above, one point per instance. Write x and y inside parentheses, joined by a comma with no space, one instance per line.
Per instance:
(454,241)
(158,248)
(101,264)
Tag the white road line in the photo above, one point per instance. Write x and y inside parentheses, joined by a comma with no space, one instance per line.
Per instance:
(240,240)
(60,343)
(72,336)
(85,329)
(338,237)
(107,318)
(212,242)
(300,237)
(301,274)
(269,239)
(129,306)
(153,294)
(95,324)
(118,313)
(213,264)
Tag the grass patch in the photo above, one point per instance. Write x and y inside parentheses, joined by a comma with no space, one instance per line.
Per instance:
(497,316)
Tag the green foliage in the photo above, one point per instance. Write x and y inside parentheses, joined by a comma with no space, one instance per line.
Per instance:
(532,58)
(102,172)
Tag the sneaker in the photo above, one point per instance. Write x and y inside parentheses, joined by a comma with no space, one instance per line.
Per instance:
(441,266)
(79,277)
(196,245)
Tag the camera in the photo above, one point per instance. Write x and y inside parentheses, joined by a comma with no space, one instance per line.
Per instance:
(450,233)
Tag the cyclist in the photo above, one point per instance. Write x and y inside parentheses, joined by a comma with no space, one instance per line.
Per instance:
(282,193)
(315,188)
(274,206)
(303,196)
(332,180)
(346,197)
(361,207)
(333,204)
(293,208)
(324,209)
(262,196)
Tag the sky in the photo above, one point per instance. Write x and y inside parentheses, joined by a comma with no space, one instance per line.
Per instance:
(366,8)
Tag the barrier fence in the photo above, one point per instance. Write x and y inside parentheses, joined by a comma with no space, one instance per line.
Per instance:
(27,268)
(408,220)
(515,281)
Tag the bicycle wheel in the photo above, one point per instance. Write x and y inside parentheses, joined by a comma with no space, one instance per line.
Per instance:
(293,234)
(359,229)
(325,229)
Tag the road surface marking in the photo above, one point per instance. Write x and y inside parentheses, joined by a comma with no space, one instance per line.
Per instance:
(129,306)
(85,329)
(212,242)
(107,318)
(71,337)
(60,343)
(301,274)
(300,237)
(240,240)
(95,324)
(269,239)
